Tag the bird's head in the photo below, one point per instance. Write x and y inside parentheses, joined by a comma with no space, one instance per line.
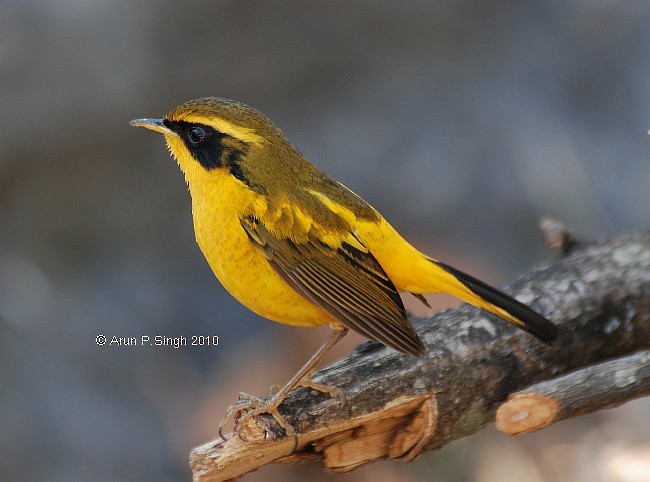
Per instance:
(214,135)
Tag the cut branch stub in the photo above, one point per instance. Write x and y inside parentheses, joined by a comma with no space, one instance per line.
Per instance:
(604,385)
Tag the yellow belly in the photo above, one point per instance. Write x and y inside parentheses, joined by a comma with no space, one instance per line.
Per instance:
(242,269)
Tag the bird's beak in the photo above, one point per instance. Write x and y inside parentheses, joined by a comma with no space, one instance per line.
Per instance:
(155,125)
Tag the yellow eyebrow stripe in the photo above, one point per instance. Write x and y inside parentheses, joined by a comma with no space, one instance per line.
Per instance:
(245,134)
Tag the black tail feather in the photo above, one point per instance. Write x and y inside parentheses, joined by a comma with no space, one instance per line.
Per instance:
(532,321)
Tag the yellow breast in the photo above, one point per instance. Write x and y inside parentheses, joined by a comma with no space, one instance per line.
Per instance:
(239,266)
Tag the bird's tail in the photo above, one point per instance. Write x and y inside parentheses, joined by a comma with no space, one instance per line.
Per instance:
(478,293)
(414,272)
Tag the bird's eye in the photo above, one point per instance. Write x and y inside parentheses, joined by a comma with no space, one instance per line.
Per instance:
(196,134)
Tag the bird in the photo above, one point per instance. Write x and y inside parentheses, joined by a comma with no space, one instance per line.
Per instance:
(298,247)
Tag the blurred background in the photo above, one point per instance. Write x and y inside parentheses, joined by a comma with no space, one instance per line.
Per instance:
(462,121)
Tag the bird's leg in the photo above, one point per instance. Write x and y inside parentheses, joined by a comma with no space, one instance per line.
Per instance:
(253,406)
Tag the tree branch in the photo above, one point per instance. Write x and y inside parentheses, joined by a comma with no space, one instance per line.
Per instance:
(399,406)
(593,388)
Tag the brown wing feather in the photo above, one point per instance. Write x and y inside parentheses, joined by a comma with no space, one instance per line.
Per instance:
(347,283)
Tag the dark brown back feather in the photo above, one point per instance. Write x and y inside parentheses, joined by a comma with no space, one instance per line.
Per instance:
(347,283)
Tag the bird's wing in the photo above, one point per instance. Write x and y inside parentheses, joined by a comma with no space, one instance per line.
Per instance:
(337,273)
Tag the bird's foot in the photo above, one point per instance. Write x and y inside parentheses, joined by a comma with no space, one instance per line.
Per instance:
(249,407)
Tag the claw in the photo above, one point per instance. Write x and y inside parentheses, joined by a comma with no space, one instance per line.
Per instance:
(308,382)
(221,427)
(244,403)
(295,444)
(270,407)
